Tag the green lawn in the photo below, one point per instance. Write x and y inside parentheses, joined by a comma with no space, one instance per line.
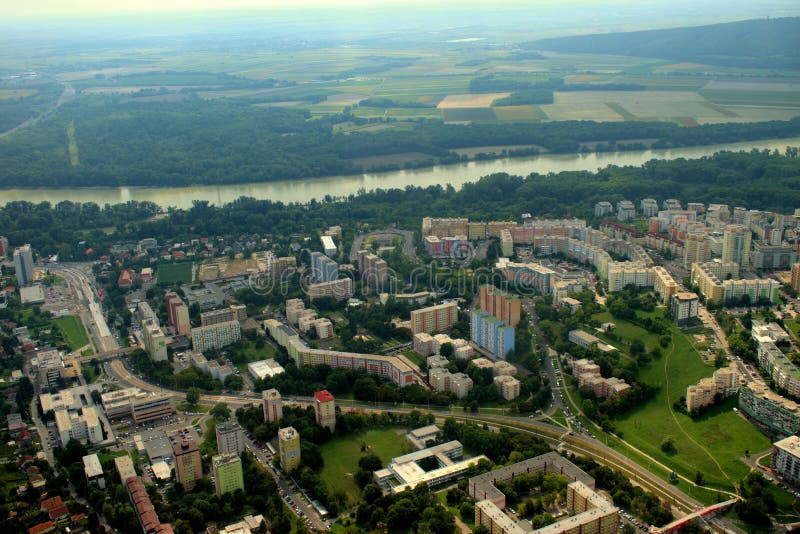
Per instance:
(176,273)
(251,354)
(711,444)
(72,330)
(793,326)
(413,356)
(559,417)
(341,457)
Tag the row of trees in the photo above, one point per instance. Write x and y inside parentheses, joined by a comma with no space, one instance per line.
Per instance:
(195,140)
(760,180)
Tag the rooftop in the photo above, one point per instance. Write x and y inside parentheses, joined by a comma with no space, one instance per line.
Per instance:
(323,396)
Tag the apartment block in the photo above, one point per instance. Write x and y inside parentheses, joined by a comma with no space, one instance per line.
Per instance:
(696,249)
(503,368)
(391,367)
(444,227)
(499,303)
(23,265)
(625,210)
(483,487)
(786,459)
(722,384)
(769,257)
(461,347)
(323,328)
(718,284)
(784,373)
(228,476)
(684,307)
(441,379)
(795,280)
(603,208)
(155,342)
(491,334)
(325,409)
(423,344)
(273,405)
(339,289)
(434,318)
(230,438)
(289,448)
(328,245)
(507,386)
(178,314)
(210,318)
(649,207)
(736,244)
(323,269)
(216,336)
(374,270)
(769,409)
(188,465)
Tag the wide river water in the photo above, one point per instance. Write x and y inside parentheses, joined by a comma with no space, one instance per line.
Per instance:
(304,189)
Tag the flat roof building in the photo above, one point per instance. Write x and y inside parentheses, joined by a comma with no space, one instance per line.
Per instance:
(419,437)
(230,438)
(786,459)
(289,448)
(188,465)
(93,470)
(273,405)
(405,472)
(265,368)
(228,477)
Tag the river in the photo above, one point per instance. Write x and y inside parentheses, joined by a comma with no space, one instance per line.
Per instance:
(305,189)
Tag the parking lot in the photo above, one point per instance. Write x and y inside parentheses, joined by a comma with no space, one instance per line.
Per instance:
(292,495)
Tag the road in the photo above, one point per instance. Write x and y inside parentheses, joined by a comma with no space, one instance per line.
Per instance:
(89,307)
(408,242)
(66,95)
(578,443)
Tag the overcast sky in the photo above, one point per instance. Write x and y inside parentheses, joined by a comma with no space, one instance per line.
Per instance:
(110,7)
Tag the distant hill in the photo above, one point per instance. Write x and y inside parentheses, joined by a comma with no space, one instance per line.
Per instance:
(762,43)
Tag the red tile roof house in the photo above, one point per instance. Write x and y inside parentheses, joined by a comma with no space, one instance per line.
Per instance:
(55,508)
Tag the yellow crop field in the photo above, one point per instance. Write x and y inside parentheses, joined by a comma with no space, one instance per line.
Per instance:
(483,100)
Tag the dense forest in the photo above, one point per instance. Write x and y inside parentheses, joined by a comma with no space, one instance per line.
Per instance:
(758,180)
(103,141)
(766,43)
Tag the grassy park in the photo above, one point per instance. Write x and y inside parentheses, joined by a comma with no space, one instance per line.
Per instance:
(72,329)
(711,444)
(341,457)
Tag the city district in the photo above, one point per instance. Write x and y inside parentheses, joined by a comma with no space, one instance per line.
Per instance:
(635,370)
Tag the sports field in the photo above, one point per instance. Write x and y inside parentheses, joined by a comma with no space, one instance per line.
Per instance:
(176,273)
(341,457)
(72,330)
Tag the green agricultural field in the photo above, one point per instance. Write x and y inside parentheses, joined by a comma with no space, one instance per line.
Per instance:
(519,113)
(72,330)
(341,457)
(176,273)
(468,114)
